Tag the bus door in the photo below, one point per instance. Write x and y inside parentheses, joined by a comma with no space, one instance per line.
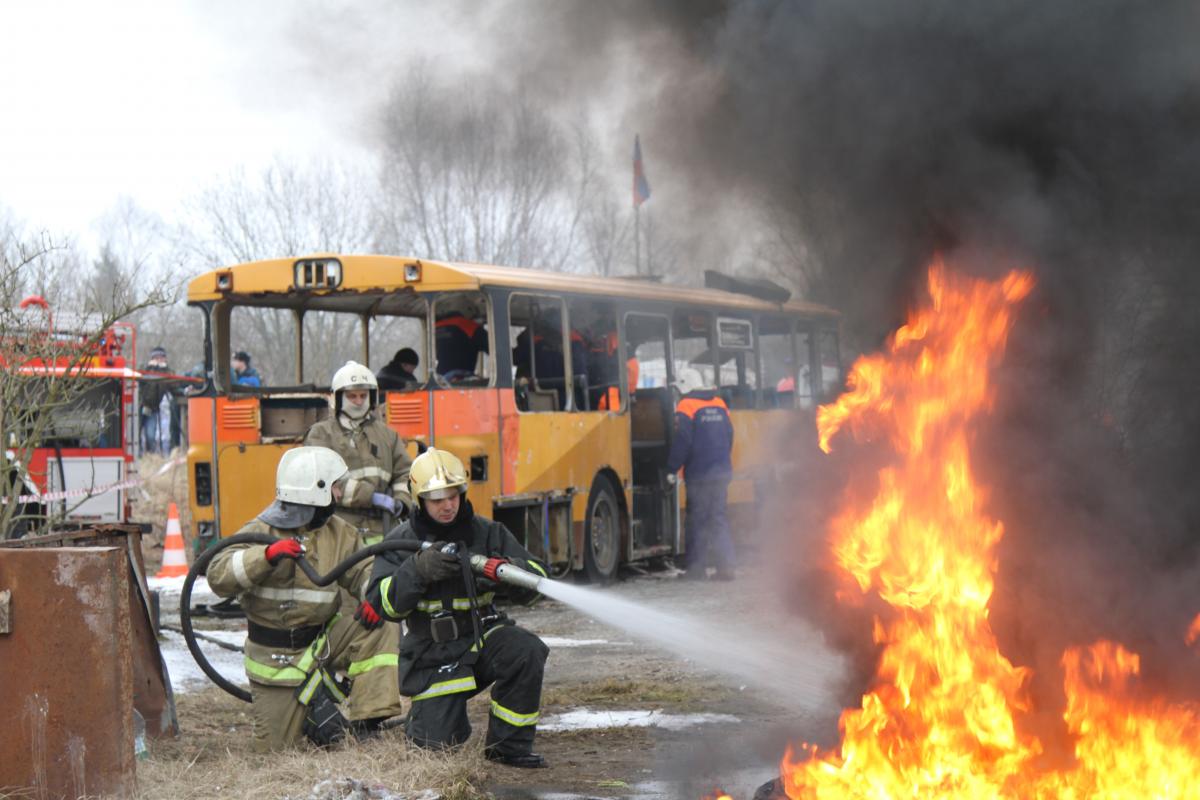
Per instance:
(654,526)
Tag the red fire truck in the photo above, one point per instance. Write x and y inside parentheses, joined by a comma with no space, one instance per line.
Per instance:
(79,468)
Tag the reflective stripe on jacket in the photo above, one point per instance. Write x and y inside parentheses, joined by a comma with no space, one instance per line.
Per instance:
(283,597)
(378,462)
(400,594)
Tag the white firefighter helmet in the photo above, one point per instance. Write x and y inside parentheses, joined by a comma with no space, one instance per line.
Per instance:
(353,375)
(688,379)
(437,474)
(306,476)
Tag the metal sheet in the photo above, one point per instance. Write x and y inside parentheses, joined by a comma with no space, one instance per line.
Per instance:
(66,678)
(152,695)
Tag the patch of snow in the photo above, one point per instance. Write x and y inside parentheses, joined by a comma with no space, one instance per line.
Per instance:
(555,641)
(186,675)
(588,719)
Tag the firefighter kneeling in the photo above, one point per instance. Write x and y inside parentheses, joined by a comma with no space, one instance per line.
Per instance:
(296,639)
(457,643)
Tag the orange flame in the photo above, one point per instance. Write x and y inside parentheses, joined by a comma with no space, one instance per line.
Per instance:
(941,719)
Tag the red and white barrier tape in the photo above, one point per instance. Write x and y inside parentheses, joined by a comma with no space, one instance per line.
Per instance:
(96,491)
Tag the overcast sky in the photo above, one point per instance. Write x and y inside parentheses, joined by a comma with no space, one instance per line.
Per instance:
(154,100)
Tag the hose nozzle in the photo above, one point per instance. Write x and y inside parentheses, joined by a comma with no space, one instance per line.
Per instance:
(509,573)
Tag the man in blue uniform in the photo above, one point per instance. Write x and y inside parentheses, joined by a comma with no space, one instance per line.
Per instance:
(702,446)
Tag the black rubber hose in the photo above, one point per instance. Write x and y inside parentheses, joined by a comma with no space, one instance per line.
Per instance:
(201,566)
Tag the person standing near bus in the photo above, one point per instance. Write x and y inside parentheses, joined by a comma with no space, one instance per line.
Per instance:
(457,643)
(296,638)
(377,486)
(458,339)
(151,392)
(703,447)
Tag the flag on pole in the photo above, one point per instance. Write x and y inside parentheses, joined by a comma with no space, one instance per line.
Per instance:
(641,187)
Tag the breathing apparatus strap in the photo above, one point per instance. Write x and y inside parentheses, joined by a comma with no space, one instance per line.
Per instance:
(464,560)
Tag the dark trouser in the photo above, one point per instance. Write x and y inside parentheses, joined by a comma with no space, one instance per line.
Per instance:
(706,526)
(513,659)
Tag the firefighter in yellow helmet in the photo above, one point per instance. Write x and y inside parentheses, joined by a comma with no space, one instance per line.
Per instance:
(457,643)
(377,484)
(296,641)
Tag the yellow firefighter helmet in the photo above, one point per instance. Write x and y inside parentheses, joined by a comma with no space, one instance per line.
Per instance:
(437,474)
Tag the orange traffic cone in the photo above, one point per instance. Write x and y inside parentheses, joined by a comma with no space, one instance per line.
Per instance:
(174,563)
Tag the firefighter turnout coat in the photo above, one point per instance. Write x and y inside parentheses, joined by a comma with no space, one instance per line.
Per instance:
(378,462)
(441,675)
(282,600)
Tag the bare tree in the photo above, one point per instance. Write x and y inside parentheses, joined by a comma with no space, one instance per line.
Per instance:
(481,176)
(42,363)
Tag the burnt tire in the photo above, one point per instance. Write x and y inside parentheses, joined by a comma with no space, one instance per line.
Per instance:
(602,533)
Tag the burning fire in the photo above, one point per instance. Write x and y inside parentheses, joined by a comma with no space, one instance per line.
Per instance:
(941,718)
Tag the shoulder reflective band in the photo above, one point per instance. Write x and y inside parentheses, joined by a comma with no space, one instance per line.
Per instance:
(512,717)
(443,688)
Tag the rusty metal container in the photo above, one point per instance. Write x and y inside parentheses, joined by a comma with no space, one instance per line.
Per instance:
(66,674)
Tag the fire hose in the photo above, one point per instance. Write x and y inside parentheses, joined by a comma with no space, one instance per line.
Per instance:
(505,573)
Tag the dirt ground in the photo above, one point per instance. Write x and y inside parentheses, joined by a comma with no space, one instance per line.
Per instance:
(594,666)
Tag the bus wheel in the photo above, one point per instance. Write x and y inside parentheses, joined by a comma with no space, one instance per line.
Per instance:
(602,538)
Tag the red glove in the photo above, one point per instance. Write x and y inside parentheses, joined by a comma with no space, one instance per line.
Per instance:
(367,616)
(493,564)
(284,548)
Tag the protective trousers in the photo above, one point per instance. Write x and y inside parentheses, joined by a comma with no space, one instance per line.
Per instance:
(368,658)
(514,660)
(706,526)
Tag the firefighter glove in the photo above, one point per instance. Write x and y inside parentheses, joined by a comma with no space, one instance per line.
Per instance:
(384,501)
(493,564)
(433,565)
(367,616)
(284,548)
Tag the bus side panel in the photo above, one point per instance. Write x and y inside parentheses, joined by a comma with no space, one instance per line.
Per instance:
(557,451)
(761,440)
(246,478)
(199,422)
(467,423)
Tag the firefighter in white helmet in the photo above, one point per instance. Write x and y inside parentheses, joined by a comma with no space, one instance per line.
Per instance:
(377,485)
(296,641)
(456,642)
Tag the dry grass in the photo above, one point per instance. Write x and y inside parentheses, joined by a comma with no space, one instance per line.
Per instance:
(213,759)
(681,693)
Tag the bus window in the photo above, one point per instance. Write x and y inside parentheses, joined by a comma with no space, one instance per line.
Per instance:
(778,362)
(690,345)
(390,336)
(831,367)
(738,374)
(538,352)
(331,338)
(805,390)
(595,355)
(268,336)
(461,342)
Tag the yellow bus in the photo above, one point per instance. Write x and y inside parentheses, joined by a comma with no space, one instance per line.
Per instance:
(554,389)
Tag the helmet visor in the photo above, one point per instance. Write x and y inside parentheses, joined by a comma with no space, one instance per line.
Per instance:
(442,493)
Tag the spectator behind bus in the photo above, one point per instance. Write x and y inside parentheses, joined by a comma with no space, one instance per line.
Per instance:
(458,340)
(243,373)
(400,372)
(151,393)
